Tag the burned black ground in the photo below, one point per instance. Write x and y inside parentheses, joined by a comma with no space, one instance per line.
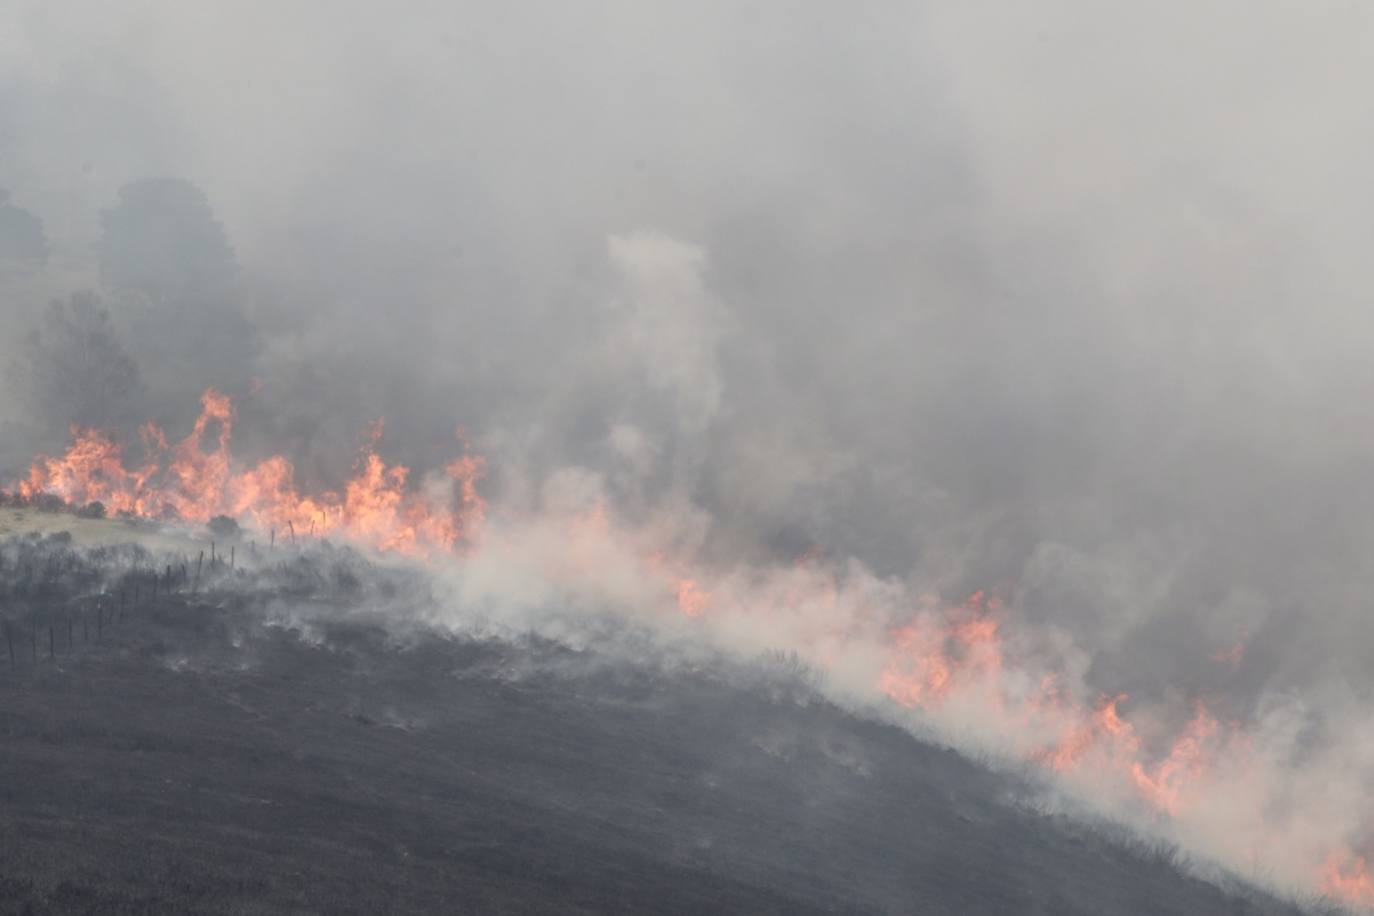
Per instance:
(260,743)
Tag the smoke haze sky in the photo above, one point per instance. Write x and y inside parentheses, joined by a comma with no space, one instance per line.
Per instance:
(1066,300)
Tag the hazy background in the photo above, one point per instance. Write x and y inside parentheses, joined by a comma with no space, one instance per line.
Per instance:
(1070,300)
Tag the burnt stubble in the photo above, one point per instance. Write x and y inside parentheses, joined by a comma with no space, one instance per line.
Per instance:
(261,742)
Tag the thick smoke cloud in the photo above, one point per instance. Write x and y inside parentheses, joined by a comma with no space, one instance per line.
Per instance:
(1068,301)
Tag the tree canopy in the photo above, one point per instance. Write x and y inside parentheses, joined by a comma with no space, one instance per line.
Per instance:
(21,234)
(169,264)
(74,369)
(162,240)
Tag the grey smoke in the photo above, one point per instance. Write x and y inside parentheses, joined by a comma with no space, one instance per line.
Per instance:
(1067,300)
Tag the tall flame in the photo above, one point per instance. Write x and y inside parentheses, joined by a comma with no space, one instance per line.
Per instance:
(197,480)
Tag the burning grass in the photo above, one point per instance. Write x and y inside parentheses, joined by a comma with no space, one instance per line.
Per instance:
(197,480)
(279,738)
(963,666)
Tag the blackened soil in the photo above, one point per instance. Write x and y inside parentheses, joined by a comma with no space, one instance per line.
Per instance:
(184,753)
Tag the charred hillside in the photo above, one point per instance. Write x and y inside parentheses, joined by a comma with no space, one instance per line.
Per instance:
(277,736)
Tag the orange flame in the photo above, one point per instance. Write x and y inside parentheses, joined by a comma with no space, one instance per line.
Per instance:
(1230,657)
(939,654)
(1105,725)
(691,600)
(1163,784)
(196,483)
(936,654)
(931,652)
(1346,876)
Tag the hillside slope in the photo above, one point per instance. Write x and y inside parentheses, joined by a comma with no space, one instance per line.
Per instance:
(262,745)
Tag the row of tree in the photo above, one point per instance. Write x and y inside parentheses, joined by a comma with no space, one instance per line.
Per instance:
(169,315)
(21,234)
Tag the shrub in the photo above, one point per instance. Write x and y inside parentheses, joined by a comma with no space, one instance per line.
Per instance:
(223,527)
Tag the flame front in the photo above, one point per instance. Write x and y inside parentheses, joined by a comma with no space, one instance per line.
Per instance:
(1346,877)
(960,649)
(197,480)
(960,661)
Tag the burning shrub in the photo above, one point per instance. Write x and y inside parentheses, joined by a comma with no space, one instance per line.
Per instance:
(787,676)
(223,527)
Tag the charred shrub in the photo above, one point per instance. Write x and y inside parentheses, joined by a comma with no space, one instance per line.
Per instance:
(94,509)
(786,676)
(224,527)
(48,502)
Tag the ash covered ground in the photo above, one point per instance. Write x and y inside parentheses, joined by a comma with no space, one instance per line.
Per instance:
(293,734)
